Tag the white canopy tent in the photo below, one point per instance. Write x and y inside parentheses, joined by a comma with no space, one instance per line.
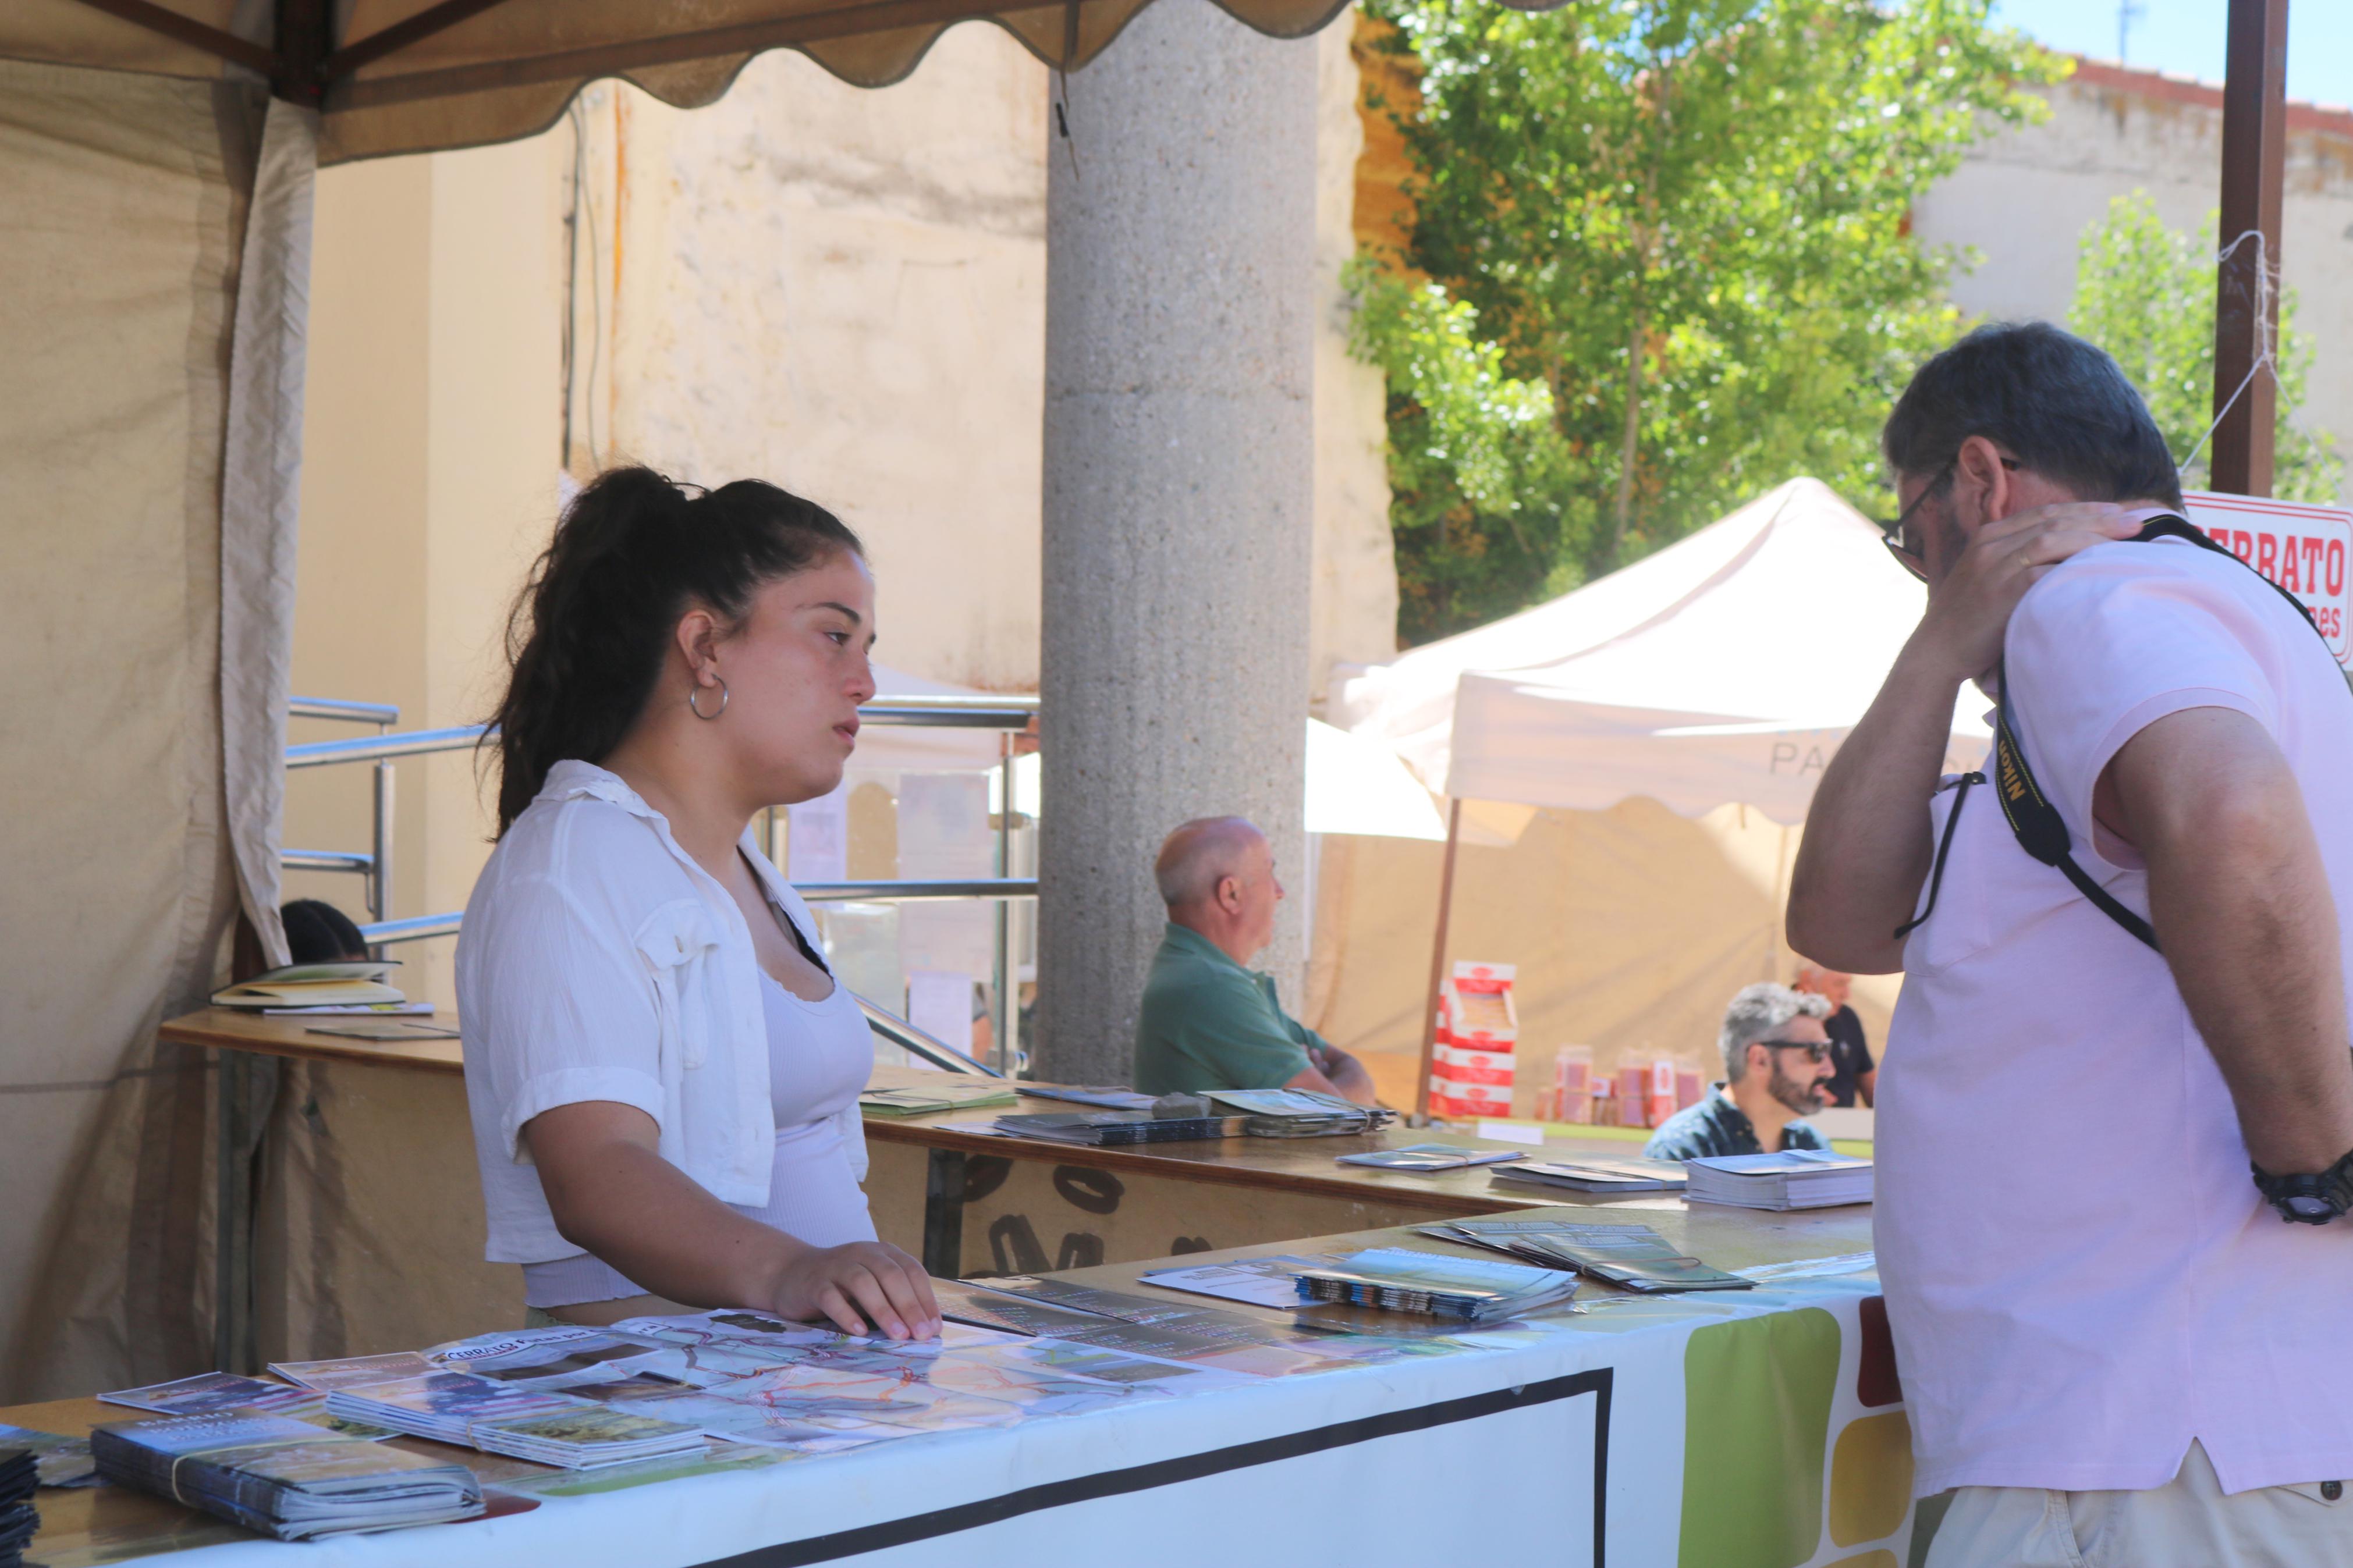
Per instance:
(1724,669)
(1727,670)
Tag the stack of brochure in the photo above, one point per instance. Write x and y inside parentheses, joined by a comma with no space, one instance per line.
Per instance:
(1433,1284)
(1120,1128)
(354,983)
(1631,1256)
(19,1475)
(1793,1179)
(1300,1113)
(546,1428)
(281,1477)
(950,1095)
(61,1461)
(1430,1157)
(1598,1175)
(1101,1099)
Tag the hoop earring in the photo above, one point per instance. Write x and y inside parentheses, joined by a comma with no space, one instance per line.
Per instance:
(694,691)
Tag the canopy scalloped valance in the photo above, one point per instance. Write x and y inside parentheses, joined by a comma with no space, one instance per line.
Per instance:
(414,76)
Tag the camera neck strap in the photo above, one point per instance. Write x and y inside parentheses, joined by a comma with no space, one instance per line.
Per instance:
(2034,822)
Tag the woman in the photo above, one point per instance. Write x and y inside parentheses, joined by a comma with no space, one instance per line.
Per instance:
(662,1072)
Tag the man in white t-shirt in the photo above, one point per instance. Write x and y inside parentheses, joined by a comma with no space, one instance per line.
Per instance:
(2114,1353)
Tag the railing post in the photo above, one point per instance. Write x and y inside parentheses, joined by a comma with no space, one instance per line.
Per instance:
(1009,1005)
(380,874)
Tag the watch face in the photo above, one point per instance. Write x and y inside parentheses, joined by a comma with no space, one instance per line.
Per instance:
(2312,1207)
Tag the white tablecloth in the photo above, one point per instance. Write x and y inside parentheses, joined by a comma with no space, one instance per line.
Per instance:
(1567,1447)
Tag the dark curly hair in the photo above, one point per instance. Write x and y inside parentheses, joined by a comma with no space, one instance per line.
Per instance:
(631,555)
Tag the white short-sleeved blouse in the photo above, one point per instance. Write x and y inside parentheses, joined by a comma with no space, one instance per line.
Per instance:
(598,962)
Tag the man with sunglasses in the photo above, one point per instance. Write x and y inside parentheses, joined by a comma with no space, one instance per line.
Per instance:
(1777,1066)
(2120,1060)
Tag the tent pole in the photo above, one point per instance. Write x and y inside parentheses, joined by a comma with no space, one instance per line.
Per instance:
(1437,966)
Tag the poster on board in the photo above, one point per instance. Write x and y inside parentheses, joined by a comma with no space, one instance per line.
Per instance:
(2304,549)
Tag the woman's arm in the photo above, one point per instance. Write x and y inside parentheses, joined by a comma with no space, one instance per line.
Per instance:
(613,1193)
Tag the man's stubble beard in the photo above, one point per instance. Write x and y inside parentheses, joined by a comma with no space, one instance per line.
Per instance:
(1805,1099)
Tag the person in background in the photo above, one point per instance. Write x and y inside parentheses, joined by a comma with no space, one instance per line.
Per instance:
(318,932)
(1853,1075)
(1207,1020)
(1776,1060)
(662,1069)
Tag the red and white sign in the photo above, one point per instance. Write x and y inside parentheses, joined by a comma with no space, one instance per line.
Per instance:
(2304,549)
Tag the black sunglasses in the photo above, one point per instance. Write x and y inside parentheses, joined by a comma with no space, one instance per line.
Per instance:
(1892,533)
(1817,1049)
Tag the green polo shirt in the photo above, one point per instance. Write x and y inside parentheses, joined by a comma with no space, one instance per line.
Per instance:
(1208,1023)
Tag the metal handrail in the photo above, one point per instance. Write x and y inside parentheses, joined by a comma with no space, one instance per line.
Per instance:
(959,710)
(382,748)
(416,927)
(953,700)
(336,708)
(899,892)
(423,743)
(327,860)
(908,1037)
(880,1019)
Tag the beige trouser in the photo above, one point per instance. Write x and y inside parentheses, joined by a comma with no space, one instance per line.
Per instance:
(2186,1523)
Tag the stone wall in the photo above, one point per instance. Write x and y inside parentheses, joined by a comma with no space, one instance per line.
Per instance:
(2023,199)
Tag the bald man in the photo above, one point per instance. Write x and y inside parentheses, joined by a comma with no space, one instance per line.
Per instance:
(1208,1020)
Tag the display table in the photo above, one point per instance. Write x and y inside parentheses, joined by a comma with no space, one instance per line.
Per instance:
(1757,1429)
(397,1144)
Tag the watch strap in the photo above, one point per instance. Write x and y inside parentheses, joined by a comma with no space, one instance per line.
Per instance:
(2309,1198)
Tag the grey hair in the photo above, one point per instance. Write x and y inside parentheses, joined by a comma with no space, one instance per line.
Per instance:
(1757,1012)
(1193,858)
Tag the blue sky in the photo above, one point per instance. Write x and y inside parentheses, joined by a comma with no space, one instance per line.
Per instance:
(2186,37)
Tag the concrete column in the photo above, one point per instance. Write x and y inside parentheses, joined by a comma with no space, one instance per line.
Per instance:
(1179,477)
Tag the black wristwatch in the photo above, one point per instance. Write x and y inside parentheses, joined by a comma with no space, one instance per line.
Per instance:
(2309,1199)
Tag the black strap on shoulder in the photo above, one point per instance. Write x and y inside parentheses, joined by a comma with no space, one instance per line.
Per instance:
(2039,828)
(2034,822)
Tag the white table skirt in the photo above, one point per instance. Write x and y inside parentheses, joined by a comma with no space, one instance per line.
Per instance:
(1568,1448)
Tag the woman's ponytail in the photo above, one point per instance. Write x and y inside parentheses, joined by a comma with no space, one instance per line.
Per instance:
(586,637)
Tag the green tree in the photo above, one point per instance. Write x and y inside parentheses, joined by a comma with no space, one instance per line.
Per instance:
(1681,230)
(2146,294)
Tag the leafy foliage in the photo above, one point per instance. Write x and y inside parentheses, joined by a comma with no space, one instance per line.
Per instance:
(2147,294)
(1680,230)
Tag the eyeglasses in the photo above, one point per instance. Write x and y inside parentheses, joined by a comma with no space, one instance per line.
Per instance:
(1817,1049)
(1892,533)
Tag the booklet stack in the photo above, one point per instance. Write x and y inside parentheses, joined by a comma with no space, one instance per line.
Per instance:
(18,1476)
(1793,1179)
(1300,1113)
(1106,1129)
(1598,1175)
(947,1096)
(1101,1099)
(538,1424)
(1631,1256)
(356,983)
(58,1460)
(285,1477)
(1432,1284)
(1428,1157)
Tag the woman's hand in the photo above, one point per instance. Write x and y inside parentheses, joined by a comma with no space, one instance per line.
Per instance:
(874,1277)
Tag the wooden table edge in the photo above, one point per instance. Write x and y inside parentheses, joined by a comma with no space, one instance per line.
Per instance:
(199,1029)
(1139,1162)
